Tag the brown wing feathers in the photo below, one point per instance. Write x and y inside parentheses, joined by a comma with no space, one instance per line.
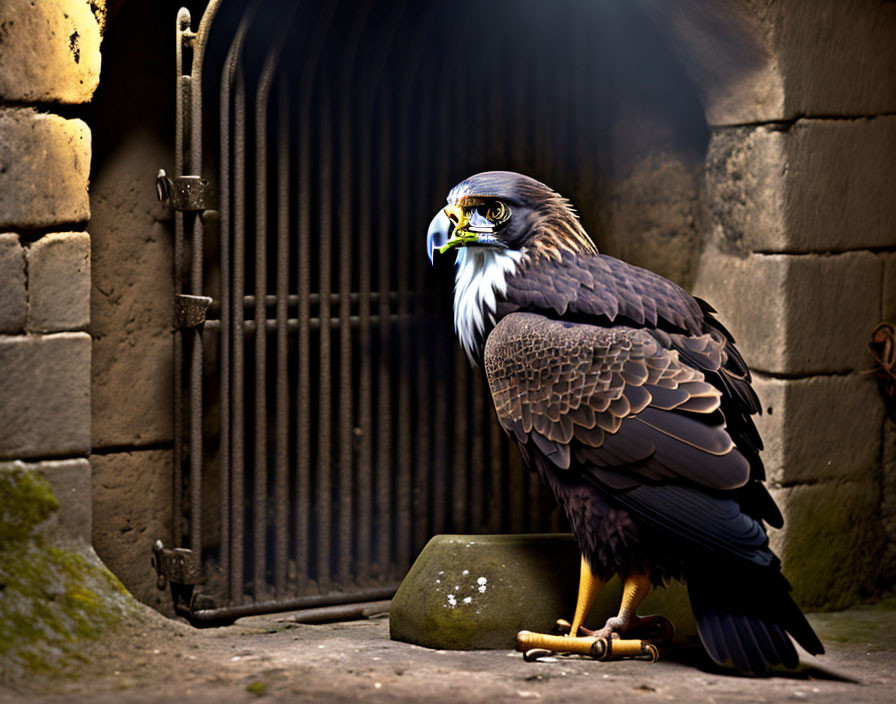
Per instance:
(610,397)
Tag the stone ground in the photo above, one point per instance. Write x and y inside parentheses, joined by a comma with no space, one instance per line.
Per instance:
(276,659)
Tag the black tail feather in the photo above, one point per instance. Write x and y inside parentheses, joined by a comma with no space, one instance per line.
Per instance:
(743,619)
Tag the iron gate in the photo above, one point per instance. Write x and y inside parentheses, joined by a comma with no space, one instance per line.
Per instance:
(327,423)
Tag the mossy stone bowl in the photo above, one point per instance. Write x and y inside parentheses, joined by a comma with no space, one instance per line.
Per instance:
(475,592)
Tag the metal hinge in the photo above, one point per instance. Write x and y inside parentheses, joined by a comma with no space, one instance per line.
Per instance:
(182,569)
(187,193)
(177,565)
(189,311)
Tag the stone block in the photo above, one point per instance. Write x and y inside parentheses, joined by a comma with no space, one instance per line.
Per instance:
(44,169)
(805,421)
(132,504)
(796,314)
(726,47)
(836,57)
(51,50)
(70,482)
(45,395)
(839,190)
(653,217)
(888,307)
(744,188)
(59,282)
(832,542)
(132,300)
(13,297)
(816,186)
(888,506)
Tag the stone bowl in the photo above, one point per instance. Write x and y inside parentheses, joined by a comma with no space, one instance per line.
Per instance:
(475,592)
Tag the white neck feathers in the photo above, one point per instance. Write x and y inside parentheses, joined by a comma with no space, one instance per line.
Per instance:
(481,273)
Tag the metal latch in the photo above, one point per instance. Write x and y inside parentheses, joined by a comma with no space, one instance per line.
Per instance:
(189,311)
(182,569)
(188,193)
(175,565)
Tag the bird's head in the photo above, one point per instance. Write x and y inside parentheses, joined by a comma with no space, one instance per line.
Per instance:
(506,210)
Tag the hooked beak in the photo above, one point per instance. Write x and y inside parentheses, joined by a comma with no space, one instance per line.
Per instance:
(452,227)
(446,231)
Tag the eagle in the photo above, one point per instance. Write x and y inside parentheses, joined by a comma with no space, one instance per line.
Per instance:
(630,400)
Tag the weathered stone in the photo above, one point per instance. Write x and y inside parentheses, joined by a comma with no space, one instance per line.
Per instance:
(888,506)
(59,282)
(56,592)
(832,542)
(653,216)
(744,187)
(132,301)
(839,193)
(804,422)
(759,61)
(796,314)
(888,308)
(45,395)
(816,186)
(726,49)
(132,505)
(44,168)
(51,50)
(70,482)
(836,57)
(470,592)
(13,298)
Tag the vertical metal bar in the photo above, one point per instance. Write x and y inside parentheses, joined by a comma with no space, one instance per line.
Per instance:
(325,417)
(260,491)
(239,364)
(182,87)
(423,341)
(365,254)
(231,486)
(281,476)
(346,371)
(196,440)
(446,340)
(224,339)
(303,312)
(384,465)
(365,455)
(262,211)
(404,488)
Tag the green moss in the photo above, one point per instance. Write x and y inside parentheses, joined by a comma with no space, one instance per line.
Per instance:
(257,688)
(26,501)
(870,626)
(52,599)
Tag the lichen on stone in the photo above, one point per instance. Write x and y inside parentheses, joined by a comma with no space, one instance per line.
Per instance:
(51,599)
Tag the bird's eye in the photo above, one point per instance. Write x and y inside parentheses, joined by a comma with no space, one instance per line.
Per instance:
(498,212)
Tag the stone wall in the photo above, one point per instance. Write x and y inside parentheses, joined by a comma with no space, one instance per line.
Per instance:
(49,62)
(132,298)
(801,229)
(797,252)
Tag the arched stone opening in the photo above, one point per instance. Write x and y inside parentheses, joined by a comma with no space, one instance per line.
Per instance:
(799,151)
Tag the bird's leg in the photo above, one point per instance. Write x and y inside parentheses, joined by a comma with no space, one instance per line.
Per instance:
(593,643)
(589,588)
(635,589)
